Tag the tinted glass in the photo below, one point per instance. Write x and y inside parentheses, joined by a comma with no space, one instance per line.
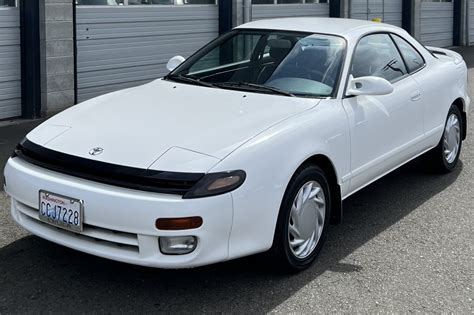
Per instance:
(376,55)
(99,2)
(236,49)
(7,3)
(300,63)
(412,57)
(141,2)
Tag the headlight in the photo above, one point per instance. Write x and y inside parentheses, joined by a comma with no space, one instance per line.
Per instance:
(216,184)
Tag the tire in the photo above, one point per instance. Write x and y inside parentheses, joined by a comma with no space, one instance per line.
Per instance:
(438,159)
(311,224)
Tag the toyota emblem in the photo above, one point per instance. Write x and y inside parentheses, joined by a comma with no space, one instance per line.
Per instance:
(96,151)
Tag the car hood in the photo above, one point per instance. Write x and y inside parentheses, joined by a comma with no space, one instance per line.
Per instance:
(192,124)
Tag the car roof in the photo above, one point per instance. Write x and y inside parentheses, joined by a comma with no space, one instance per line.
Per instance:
(336,26)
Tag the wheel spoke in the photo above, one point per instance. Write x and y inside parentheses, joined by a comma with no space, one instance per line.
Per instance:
(451,156)
(306,192)
(454,121)
(294,215)
(446,142)
(314,192)
(308,245)
(300,250)
(320,201)
(296,242)
(321,214)
(294,231)
(299,200)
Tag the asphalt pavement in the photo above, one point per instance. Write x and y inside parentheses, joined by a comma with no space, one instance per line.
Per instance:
(11,133)
(405,245)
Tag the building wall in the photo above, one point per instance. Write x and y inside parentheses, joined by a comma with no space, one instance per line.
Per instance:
(10,66)
(269,11)
(471,22)
(390,11)
(125,46)
(57,55)
(57,41)
(437,23)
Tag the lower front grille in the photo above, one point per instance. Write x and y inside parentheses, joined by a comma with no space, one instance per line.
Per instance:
(124,241)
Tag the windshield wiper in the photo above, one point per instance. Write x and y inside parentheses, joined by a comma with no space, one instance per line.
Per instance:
(188,79)
(254,87)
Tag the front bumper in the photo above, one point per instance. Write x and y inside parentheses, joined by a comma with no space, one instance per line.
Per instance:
(119,223)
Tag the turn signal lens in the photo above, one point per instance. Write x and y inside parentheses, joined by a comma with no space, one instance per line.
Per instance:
(173,224)
(216,183)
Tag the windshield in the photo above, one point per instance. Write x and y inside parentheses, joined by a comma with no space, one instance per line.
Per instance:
(287,63)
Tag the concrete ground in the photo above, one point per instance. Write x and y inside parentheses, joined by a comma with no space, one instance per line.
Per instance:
(406,245)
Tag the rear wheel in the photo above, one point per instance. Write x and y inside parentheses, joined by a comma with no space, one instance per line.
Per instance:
(303,220)
(445,156)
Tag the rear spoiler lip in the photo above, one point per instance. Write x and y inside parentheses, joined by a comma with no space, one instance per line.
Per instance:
(457,58)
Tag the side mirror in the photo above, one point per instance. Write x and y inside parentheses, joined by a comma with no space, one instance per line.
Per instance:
(174,62)
(369,86)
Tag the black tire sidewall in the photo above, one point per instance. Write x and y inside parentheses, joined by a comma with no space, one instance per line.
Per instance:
(281,243)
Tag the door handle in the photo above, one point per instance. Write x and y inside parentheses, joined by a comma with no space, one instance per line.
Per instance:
(415,96)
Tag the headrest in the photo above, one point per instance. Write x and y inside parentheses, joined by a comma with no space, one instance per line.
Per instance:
(279,48)
(279,43)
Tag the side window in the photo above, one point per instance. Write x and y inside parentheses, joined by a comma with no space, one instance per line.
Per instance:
(377,55)
(412,57)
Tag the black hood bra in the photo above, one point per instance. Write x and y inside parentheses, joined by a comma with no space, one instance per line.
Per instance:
(106,173)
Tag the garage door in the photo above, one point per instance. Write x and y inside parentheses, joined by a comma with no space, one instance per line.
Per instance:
(10,66)
(471,22)
(124,46)
(437,23)
(269,11)
(390,11)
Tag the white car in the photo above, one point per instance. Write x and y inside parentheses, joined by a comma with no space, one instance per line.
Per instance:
(250,145)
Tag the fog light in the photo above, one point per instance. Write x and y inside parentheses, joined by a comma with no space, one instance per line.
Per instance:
(177,245)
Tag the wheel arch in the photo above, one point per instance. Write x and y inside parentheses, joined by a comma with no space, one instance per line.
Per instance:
(460,104)
(327,166)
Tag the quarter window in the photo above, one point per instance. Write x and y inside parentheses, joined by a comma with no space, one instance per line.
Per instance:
(377,55)
(412,57)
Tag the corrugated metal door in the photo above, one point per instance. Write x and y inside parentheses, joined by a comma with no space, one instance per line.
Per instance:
(437,23)
(471,22)
(120,47)
(390,11)
(10,63)
(269,11)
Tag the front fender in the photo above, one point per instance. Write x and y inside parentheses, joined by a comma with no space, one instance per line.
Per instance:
(271,159)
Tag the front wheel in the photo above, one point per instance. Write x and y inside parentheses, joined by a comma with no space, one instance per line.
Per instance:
(303,220)
(445,156)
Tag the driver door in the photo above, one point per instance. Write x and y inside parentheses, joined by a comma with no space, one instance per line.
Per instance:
(385,129)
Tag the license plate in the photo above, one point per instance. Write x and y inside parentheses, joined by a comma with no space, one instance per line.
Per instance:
(61,211)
